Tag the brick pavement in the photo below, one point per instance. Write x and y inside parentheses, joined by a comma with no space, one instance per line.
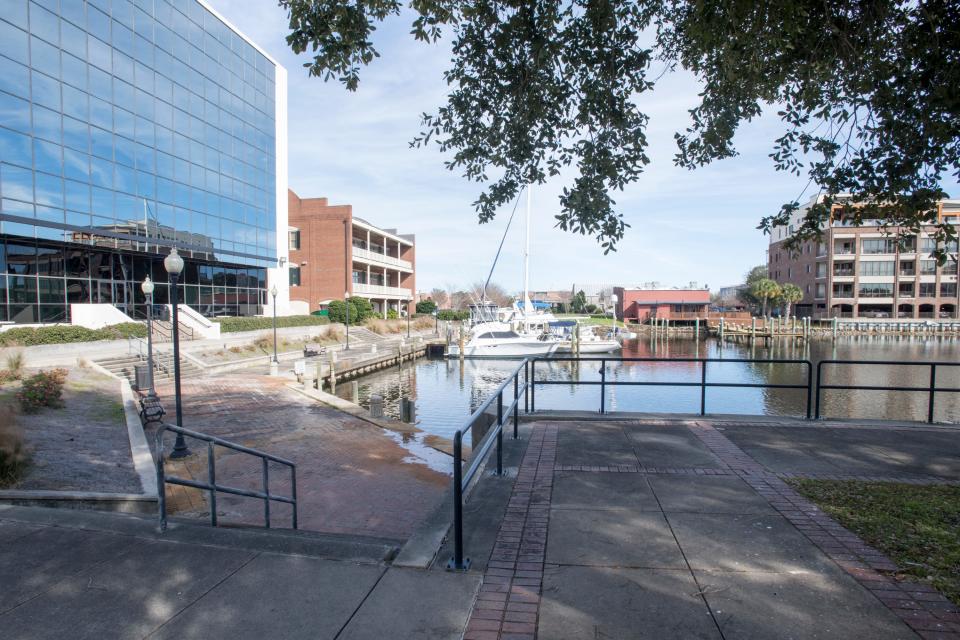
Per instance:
(353,478)
(509,598)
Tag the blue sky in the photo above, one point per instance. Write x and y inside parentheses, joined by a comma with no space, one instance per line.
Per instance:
(353,149)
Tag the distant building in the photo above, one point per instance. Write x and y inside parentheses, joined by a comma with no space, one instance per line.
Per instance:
(862,272)
(596,294)
(639,305)
(730,296)
(553,300)
(332,252)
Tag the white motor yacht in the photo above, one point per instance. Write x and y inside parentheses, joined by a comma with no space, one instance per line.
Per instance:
(499,340)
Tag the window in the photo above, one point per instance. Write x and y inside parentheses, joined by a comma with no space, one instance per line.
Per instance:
(884,268)
(876,289)
(907,268)
(927,290)
(843,269)
(905,289)
(928,267)
(808,268)
(928,245)
(873,246)
(294,239)
(843,290)
(821,291)
(821,269)
(294,276)
(948,289)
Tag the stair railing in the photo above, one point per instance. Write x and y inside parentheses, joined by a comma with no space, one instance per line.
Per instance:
(211,484)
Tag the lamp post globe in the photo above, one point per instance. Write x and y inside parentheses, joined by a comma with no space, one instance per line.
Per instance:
(273,292)
(147,287)
(173,263)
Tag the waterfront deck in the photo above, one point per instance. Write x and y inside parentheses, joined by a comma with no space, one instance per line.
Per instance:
(686,528)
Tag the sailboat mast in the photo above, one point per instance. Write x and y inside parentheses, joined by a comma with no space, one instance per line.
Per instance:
(526,264)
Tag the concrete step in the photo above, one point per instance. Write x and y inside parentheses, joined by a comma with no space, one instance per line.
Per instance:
(277,540)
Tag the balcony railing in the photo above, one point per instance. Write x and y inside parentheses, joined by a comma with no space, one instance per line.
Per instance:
(362,289)
(373,256)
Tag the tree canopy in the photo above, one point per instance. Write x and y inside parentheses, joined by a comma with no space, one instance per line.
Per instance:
(866,92)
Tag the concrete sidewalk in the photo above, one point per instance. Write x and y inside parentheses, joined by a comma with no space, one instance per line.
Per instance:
(669,529)
(85,575)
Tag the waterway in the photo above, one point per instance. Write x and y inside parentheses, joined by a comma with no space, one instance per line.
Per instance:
(447,392)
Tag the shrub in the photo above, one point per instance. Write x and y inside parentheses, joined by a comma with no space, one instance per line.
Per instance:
(452,314)
(236,350)
(232,325)
(64,333)
(15,364)
(360,310)
(44,389)
(426,306)
(7,376)
(13,457)
(392,314)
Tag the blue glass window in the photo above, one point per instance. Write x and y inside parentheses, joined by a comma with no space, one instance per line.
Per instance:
(14,113)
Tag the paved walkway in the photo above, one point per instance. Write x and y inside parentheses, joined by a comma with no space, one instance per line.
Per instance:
(353,477)
(70,574)
(671,530)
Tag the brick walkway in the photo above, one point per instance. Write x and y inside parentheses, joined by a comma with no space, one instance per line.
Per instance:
(509,604)
(353,477)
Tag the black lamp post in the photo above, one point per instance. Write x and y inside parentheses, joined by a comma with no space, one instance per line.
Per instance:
(346,303)
(147,287)
(273,292)
(173,263)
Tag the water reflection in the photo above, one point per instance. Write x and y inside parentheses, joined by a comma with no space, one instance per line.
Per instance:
(446,392)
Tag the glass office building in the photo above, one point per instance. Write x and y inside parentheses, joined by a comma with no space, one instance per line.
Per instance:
(128,127)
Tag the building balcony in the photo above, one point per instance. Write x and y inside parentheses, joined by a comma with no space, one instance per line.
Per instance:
(380,259)
(380,291)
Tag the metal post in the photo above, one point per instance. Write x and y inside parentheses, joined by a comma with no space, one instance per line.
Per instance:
(458,562)
(293,493)
(347,305)
(703,389)
(275,329)
(180,449)
(152,392)
(816,413)
(933,391)
(161,483)
(809,386)
(533,386)
(500,433)
(516,402)
(266,492)
(212,481)
(526,387)
(603,384)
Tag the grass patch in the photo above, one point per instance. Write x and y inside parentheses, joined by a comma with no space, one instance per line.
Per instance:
(918,527)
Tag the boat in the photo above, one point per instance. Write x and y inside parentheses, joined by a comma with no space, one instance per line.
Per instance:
(501,340)
(590,342)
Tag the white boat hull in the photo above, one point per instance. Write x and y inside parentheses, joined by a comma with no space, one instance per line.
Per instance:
(510,349)
(592,346)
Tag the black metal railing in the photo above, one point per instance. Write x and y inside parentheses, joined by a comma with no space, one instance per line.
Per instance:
(494,435)
(703,383)
(931,389)
(211,484)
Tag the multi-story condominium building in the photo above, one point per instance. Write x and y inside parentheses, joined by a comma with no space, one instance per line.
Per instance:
(128,128)
(333,253)
(864,272)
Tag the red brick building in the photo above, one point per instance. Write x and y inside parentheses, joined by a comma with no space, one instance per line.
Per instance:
(639,305)
(333,253)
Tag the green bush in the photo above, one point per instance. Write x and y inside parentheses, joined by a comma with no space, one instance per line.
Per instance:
(426,306)
(232,325)
(13,455)
(42,390)
(63,333)
(360,310)
(392,314)
(451,314)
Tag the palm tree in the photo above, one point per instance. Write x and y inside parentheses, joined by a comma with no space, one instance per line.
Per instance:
(790,294)
(765,290)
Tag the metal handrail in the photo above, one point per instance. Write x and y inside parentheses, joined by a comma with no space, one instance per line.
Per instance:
(462,480)
(212,486)
(931,389)
(703,384)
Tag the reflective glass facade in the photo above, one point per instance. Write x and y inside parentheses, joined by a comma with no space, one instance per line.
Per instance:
(127,127)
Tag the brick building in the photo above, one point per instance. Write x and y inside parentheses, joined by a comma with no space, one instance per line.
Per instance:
(639,305)
(333,253)
(862,272)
